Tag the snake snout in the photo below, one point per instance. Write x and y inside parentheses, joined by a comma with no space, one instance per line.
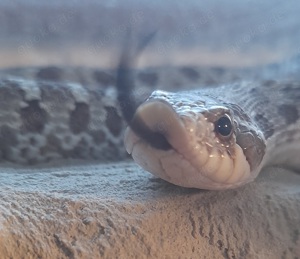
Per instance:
(156,123)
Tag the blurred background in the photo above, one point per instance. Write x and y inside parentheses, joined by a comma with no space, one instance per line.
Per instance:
(232,33)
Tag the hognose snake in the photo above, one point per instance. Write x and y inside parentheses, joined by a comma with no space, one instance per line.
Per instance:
(204,139)
(213,138)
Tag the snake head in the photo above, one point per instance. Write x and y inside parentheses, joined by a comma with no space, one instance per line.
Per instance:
(188,138)
(209,146)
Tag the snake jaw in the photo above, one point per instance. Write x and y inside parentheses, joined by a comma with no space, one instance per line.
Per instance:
(181,170)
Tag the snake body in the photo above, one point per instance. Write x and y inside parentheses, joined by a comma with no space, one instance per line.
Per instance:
(57,114)
(54,113)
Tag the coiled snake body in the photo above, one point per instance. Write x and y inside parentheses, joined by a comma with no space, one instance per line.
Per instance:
(216,138)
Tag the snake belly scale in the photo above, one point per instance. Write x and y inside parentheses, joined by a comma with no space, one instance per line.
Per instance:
(218,137)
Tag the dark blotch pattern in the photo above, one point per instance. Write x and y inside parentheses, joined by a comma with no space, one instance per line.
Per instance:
(148,78)
(253,90)
(81,150)
(53,145)
(113,121)
(80,117)
(55,93)
(8,139)
(289,113)
(269,83)
(98,136)
(219,71)
(50,73)
(190,73)
(33,117)
(292,91)
(265,125)
(9,91)
(104,78)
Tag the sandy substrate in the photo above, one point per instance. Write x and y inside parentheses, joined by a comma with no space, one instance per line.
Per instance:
(120,211)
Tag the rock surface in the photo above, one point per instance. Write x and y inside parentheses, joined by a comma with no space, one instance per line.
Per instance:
(120,211)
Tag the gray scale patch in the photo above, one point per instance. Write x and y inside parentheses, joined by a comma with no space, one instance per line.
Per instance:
(269,83)
(33,117)
(53,145)
(190,73)
(219,71)
(104,78)
(289,113)
(81,150)
(98,136)
(265,125)
(113,121)
(50,73)
(79,118)
(8,139)
(292,91)
(10,90)
(55,96)
(148,78)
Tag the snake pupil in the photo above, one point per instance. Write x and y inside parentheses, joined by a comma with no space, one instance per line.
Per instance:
(224,126)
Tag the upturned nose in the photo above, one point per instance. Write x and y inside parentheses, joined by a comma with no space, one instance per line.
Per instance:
(156,122)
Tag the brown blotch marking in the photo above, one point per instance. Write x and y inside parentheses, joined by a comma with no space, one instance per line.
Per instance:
(210,81)
(81,150)
(98,136)
(269,83)
(33,141)
(8,139)
(24,152)
(149,78)
(53,145)
(55,93)
(113,121)
(33,117)
(67,139)
(292,91)
(289,113)
(288,87)
(265,125)
(10,90)
(190,73)
(253,90)
(113,153)
(79,118)
(218,70)
(50,73)
(103,78)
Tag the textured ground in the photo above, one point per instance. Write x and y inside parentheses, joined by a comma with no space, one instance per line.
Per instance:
(119,211)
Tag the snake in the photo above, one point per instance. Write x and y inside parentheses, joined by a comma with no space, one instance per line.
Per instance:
(195,127)
(214,138)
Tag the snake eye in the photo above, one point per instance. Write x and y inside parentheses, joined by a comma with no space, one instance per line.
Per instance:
(223,126)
